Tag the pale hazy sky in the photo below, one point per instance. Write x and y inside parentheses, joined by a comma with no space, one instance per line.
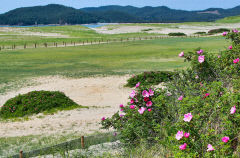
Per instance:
(7,5)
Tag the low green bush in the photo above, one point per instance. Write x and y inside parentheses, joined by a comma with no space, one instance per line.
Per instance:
(200,33)
(36,102)
(147,29)
(220,30)
(177,34)
(150,78)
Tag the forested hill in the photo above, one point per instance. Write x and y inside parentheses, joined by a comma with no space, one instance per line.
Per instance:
(50,14)
(59,14)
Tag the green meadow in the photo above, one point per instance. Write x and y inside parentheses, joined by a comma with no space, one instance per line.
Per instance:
(103,59)
(76,33)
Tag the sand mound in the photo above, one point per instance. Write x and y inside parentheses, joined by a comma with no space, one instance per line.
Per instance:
(102,94)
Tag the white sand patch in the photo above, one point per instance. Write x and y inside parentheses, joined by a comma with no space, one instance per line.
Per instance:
(187,29)
(104,92)
(26,32)
(121,29)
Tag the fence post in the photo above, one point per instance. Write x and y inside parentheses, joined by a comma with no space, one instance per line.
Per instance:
(82,142)
(25,46)
(21,154)
(0,48)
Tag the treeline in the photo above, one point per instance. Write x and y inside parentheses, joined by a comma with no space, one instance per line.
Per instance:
(59,14)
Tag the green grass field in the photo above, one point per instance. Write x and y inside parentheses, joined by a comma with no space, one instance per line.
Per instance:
(104,59)
(77,33)
(231,19)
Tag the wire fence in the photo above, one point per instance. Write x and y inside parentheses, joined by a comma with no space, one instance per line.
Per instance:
(80,143)
(88,42)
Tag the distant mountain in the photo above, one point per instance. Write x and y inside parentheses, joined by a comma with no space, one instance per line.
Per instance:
(59,14)
(50,14)
(165,14)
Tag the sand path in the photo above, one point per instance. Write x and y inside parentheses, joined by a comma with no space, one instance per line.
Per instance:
(102,94)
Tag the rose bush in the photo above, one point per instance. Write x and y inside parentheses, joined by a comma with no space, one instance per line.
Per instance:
(196,115)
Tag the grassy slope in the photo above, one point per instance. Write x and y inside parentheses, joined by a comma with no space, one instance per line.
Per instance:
(115,58)
(231,19)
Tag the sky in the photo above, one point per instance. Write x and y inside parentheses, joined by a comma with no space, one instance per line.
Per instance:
(7,5)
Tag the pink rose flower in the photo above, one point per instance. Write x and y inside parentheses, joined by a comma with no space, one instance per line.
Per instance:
(201,59)
(169,94)
(206,95)
(121,115)
(103,118)
(149,110)
(121,105)
(236,61)
(146,99)
(180,98)
(181,54)
(151,92)
(183,147)
(188,117)
(132,101)
(141,110)
(138,84)
(132,106)
(235,31)
(230,47)
(210,147)
(149,103)
(145,94)
(121,109)
(186,135)
(225,139)
(224,33)
(200,51)
(179,135)
(132,94)
(233,110)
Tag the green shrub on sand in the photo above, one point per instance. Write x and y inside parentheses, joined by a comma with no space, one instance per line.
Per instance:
(150,78)
(36,102)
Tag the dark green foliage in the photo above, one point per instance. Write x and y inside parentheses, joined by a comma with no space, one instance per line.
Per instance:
(200,33)
(221,30)
(50,14)
(36,102)
(58,14)
(177,34)
(150,78)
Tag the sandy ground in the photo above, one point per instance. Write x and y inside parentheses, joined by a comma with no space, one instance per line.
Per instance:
(25,32)
(187,29)
(102,94)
